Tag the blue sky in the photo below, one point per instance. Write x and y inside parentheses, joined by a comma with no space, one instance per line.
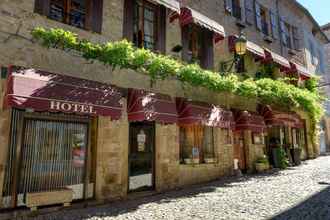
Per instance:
(320,9)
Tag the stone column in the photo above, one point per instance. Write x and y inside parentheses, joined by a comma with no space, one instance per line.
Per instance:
(224,152)
(5,119)
(167,158)
(112,158)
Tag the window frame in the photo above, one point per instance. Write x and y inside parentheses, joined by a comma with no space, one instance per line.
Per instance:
(141,23)
(202,149)
(67,10)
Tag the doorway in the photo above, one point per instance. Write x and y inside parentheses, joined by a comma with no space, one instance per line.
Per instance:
(141,156)
(239,150)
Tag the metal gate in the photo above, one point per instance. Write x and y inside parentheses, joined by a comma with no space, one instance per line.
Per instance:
(52,155)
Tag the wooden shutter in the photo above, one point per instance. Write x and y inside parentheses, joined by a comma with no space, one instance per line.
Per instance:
(273,22)
(249,15)
(229,6)
(128,19)
(258,16)
(283,32)
(207,50)
(42,7)
(161,30)
(97,16)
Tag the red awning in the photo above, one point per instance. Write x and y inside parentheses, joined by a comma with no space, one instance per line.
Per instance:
(148,106)
(278,59)
(188,16)
(253,48)
(249,121)
(300,70)
(43,91)
(277,118)
(203,113)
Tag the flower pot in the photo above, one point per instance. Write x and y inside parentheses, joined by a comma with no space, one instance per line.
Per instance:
(262,167)
(209,160)
(188,161)
(296,153)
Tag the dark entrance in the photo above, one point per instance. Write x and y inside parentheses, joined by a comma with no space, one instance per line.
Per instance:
(239,150)
(141,156)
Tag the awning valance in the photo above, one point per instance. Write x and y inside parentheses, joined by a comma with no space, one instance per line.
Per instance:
(253,48)
(277,118)
(245,120)
(188,16)
(43,91)
(171,4)
(149,106)
(203,113)
(301,70)
(278,59)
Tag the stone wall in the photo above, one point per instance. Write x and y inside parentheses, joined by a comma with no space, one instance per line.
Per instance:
(112,158)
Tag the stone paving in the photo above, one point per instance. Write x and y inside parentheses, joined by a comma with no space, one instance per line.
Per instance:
(296,193)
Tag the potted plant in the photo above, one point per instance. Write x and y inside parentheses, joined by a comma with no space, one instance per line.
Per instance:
(262,164)
(296,155)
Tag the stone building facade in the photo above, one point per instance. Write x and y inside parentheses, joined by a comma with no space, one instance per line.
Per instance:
(326,88)
(107,167)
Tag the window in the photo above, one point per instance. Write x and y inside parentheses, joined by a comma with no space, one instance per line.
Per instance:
(298,138)
(274,25)
(286,34)
(196,142)
(233,7)
(85,14)
(287,31)
(249,14)
(261,17)
(195,50)
(71,12)
(296,38)
(145,25)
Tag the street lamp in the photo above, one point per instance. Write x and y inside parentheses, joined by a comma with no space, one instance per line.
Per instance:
(240,51)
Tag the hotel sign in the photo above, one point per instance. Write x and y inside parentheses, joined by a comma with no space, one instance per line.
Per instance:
(72,107)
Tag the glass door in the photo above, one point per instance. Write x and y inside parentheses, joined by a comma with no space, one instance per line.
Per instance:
(141,156)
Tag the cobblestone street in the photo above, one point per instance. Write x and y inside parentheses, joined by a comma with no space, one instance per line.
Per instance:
(297,193)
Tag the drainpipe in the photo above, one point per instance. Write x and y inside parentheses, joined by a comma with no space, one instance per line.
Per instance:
(279,26)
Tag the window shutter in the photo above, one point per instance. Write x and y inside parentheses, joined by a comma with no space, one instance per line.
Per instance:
(97,15)
(161,30)
(229,6)
(273,22)
(283,32)
(258,16)
(249,15)
(207,50)
(42,7)
(128,19)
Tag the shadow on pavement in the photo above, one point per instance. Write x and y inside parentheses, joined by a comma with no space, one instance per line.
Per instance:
(314,208)
(127,206)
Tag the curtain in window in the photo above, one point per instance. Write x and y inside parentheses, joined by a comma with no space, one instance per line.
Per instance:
(198,137)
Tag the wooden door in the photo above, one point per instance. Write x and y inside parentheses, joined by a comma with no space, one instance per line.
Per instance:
(239,149)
